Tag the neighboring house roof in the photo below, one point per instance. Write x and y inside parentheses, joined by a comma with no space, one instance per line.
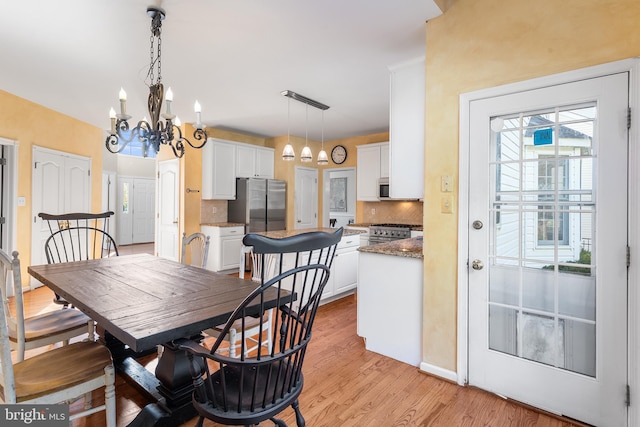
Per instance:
(565,132)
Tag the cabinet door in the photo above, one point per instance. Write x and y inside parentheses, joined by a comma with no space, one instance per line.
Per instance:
(345,270)
(246,161)
(224,171)
(384,161)
(230,252)
(368,173)
(264,163)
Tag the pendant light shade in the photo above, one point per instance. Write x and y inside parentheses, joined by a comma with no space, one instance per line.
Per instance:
(306,155)
(288,153)
(323,159)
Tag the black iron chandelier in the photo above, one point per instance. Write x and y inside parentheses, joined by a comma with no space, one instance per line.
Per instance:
(155,132)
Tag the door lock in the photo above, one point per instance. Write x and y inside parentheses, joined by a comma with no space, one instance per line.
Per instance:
(477,224)
(476,264)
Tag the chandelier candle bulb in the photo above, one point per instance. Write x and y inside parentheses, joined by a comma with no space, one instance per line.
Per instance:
(112,116)
(168,98)
(123,101)
(198,109)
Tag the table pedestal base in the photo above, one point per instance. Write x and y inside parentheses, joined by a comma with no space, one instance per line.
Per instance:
(170,389)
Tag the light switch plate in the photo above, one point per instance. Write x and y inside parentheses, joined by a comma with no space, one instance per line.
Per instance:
(22,201)
(446,204)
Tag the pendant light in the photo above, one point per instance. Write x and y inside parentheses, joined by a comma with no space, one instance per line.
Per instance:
(323,159)
(306,155)
(288,154)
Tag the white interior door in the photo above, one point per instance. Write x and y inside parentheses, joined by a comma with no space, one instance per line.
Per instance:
(306,198)
(168,209)
(144,207)
(547,248)
(61,183)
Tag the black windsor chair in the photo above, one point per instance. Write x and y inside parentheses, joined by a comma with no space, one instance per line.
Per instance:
(250,389)
(78,237)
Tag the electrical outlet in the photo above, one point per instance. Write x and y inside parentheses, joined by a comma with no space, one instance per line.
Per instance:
(445,184)
(215,210)
(22,201)
(373,211)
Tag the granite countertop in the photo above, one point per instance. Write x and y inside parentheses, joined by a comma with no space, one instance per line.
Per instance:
(407,248)
(280,234)
(223,224)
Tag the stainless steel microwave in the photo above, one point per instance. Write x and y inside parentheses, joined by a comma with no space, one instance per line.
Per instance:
(383,188)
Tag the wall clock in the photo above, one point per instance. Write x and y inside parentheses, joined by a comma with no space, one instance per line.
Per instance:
(339,154)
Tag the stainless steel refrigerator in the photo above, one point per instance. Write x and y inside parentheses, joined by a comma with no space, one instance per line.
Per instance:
(260,204)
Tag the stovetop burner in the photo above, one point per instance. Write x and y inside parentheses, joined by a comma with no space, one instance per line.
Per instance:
(409,226)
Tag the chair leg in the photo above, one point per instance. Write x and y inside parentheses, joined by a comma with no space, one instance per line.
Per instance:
(110,396)
(200,421)
(299,418)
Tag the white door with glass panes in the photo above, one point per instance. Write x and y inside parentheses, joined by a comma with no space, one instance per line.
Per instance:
(547,248)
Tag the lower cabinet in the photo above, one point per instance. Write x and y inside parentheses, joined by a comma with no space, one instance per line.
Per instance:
(225,246)
(343,278)
(344,271)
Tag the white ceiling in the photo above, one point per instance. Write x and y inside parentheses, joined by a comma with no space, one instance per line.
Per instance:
(233,56)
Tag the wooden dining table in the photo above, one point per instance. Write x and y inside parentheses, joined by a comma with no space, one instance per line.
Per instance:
(142,301)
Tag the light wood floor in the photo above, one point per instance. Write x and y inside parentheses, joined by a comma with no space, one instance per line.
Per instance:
(345,385)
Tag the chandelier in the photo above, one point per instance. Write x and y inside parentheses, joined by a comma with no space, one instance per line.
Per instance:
(155,132)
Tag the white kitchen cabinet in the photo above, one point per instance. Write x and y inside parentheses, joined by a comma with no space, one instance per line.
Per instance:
(343,278)
(364,235)
(254,162)
(345,265)
(225,246)
(219,170)
(373,164)
(406,130)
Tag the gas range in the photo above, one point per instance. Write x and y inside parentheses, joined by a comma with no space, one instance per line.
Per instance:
(381,233)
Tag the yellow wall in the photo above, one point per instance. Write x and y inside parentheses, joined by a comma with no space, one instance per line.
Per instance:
(478,44)
(285,170)
(34,125)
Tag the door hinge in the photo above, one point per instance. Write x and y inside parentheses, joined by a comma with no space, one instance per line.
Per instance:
(3,220)
(628,256)
(627,399)
(629,118)
(35,165)
(3,161)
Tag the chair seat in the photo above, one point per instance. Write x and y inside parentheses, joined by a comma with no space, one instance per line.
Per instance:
(59,369)
(51,323)
(249,322)
(239,393)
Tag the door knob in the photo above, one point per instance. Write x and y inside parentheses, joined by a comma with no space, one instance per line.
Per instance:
(476,264)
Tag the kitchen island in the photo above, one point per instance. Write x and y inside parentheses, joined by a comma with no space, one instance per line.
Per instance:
(343,279)
(390,277)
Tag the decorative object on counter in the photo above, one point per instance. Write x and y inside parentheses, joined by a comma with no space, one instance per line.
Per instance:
(151,134)
(339,154)
(306,155)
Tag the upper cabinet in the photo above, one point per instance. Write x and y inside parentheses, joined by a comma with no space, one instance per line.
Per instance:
(373,164)
(224,161)
(406,130)
(254,162)
(219,170)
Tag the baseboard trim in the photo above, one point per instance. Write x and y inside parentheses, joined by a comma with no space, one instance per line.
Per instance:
(439,372)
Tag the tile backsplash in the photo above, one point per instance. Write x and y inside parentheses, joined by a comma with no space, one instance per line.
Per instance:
(207,216)
(394,212)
